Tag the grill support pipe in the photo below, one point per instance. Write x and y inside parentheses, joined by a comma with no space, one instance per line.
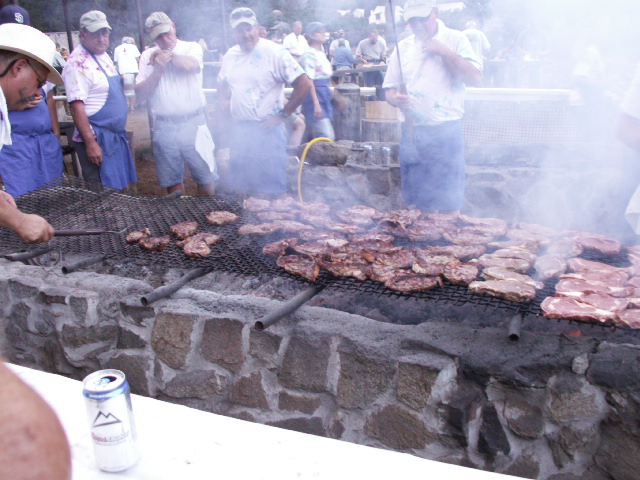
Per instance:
(85,262)
(167,290)
(515,327)
(21,257)
(289,307)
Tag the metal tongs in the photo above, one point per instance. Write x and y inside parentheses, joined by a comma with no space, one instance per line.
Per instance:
(85,231)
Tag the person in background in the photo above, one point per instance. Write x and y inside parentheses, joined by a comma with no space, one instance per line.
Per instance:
(372,51)
(34,156)
(64,53)
(262,31)
(479,41)
(343,56)
(437,63)
(334,45)
(126,57)
(58,62)
(251,102)
(295,42)
(98,106)
(171,79)
(14,14)
(33,443)
(317,107)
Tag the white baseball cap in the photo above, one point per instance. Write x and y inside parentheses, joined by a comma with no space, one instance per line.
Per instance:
(32,43)
(418,8)
(243,15)
(157,23)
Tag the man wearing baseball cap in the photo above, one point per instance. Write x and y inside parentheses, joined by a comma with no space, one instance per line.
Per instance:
(98,106)
(170,78)
(251,98)
(437,63)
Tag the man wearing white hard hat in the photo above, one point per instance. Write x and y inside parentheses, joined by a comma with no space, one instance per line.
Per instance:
(26,58)
(98,106)
(171,79)
(436,63)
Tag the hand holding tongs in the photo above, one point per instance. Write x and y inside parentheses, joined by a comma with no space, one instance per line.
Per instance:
(84,231)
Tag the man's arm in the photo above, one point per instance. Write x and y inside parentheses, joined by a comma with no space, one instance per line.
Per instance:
(301,87)
(32,441)
(186,62)
(81,120)
(55,125)
(628,130)
(30,228)
(463,69)
(159,61)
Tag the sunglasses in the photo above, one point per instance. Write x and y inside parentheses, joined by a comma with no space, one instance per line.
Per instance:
(41,81)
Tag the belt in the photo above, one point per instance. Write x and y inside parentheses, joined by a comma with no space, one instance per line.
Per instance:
(179,118)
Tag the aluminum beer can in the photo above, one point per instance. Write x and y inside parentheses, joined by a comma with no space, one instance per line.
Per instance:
(113,430)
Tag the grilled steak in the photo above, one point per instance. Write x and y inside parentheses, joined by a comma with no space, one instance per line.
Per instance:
(312,249)
(507,290)
(206,237)
(286,204)
(494,223)
(398,257)
(262,229)
(498,273)
(431,264)
(155,243)
(492,231)
(630,318)
(183,230)
(413,283)
(347,228)
(331,239)
(525,235)
(600,301)
(402,218)
(301,265)
(538,229)
(524,243)
(549,266)
(515,252)
(464,253)
(135,237)
(575,287)
(277,249)
(372,237)
(610,279)
(571,309)
(565,248)
(516,264)
(256,204)
(580,265)
(422,230)
(462,238)
(600,243)
(318,220)
(345,268)
(316,208)
(291,226)
(383,273)
(221,217)
(360,215)
(196,249)
(270,216)
(461,273)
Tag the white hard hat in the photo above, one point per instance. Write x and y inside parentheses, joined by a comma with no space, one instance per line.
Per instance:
(32,43)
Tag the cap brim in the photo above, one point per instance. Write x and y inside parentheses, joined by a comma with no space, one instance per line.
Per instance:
(246,20)
(53,76)
(100,26)
(158,30)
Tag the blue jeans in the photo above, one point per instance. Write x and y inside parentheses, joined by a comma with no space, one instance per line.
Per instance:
(432,166)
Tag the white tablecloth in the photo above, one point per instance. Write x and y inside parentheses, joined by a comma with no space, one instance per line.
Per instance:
(181,443)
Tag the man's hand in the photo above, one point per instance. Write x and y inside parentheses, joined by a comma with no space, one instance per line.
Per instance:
(317,111)
(35,100)
(94,152)
(5,197)
(435,47)
(402,101)
(271,122)
(160,59)
(34,229)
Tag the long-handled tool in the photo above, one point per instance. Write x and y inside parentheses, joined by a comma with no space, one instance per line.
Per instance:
(408,120)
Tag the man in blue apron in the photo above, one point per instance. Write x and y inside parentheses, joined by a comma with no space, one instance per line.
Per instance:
(98,106)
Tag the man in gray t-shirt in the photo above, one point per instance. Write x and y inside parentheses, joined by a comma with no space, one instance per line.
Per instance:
(372,51)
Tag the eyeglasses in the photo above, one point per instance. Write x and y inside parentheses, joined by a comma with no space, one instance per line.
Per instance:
(41,81)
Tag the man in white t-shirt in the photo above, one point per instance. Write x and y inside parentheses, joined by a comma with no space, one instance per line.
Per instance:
(126,57)
(98,106)
(479,41)
(251,101)
(295,41)
(170,78)
(333,46)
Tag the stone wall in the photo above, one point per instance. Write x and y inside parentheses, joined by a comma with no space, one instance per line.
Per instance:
(547,407)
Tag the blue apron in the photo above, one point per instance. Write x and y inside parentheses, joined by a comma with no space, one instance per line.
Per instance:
(324,97)
(109,124)
(35,156)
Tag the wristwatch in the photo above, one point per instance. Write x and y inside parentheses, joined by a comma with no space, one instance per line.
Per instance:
(282,114)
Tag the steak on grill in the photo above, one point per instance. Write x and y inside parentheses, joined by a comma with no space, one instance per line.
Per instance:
(422,230)
(286,204)
(507,290)
(538,229)
(196,249)
(206,237)
(600,243)
(402,218)
(256,204)
(312,249)
(515,252)
(575,287)
(346,228)
(601,301)
(565,248)
(516,264)
(262,229)
(270,216)
(524,243)
(360,215)
(549,266)
(498,273)
(610,279)
(571,309)
(382,273)
(464,253)
(462,238)
(301,265)
(490,224)
(135,237)
(527,236)
(279,248)
(372,237)
(222,217)
(580,265)
(345,268)
(317,208)
(461,273)
(630,318)
(183,230)
(431,264)
(291,226)
(398,257)
(155,243)
(413,283)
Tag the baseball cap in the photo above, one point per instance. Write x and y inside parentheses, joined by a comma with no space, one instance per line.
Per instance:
(157,23)
(243,15)
(314,27)
(32,43)
(14,14)
(93,21)
(418,8)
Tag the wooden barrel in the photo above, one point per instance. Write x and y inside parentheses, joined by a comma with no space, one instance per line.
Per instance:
(381,130)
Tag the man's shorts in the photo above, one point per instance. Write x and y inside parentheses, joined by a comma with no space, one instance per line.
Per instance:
(174,144)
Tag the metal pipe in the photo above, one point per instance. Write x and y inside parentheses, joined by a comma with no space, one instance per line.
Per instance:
(176,194)
(67,24)
(85,262)
(167,290)
(289,307)
(515,327)
(19,257)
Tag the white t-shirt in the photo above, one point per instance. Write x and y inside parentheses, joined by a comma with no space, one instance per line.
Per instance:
(256,79)
(84,80)
(178,92)
(631,103)
(435,97)
(296,44)
(479,42)
(5,125)
(125,56)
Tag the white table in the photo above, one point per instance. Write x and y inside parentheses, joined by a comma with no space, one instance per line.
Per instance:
(181,443)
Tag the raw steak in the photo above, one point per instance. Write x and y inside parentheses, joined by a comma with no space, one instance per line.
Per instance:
(499,273)
(549,266)
(507,290)
(516,264)
(571,309)
(574,287)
